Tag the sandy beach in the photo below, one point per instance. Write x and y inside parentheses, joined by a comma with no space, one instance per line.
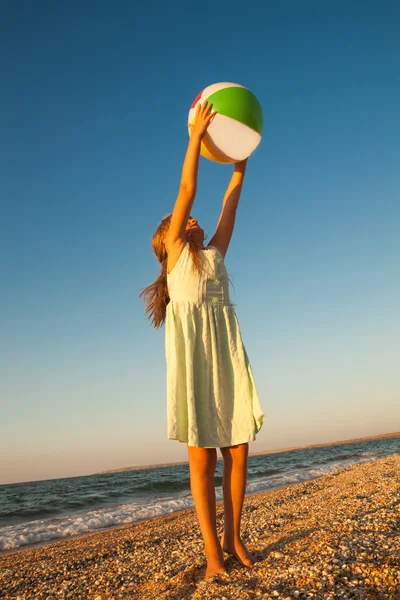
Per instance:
(337,536)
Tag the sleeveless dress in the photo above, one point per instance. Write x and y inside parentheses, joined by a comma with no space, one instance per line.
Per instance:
(212,400)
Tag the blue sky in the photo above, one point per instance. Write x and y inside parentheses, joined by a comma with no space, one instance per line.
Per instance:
(94,102)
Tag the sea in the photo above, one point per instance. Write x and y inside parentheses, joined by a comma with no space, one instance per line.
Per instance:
(44,511)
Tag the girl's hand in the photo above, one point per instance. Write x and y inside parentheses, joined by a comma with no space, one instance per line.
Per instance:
(203,118)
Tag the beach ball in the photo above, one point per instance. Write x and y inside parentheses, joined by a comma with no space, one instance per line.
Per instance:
(236,129)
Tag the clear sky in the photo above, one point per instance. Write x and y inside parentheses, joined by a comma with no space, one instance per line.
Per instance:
(93,111)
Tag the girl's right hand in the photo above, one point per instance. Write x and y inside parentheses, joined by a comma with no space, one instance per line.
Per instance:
(202,119)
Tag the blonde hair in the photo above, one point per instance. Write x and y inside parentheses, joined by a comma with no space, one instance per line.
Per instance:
(156,295)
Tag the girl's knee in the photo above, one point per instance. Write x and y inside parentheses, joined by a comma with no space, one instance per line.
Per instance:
(235,454)
(202,459)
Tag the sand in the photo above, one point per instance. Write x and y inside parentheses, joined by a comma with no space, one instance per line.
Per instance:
(337,536)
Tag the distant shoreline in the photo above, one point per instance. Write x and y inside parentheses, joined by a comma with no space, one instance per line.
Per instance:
(185,462)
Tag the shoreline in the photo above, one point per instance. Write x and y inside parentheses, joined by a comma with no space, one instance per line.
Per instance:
(327,536)
(101,530)
(323,445)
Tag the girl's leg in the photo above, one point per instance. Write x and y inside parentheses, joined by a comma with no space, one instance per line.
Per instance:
(202,463)
(234,487)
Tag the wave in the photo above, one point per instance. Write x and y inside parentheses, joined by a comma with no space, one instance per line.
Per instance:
(264,473)
(349,456)
(365,453)
(15,536)
(168,485)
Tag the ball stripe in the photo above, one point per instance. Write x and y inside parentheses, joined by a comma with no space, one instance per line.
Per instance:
(196,100)
(209,149)
(240,104)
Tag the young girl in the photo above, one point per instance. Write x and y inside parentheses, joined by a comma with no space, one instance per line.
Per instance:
(211,395)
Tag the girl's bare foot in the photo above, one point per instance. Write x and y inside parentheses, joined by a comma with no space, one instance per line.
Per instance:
(215,564)
(239,551)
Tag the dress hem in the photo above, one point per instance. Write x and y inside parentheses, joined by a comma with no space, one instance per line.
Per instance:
(215,446)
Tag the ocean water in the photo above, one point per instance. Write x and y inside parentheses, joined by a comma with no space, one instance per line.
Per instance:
(41,511)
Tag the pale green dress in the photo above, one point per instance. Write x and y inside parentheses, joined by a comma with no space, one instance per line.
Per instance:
(212,400)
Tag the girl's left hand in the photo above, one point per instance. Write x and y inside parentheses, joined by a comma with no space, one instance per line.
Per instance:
(203,118)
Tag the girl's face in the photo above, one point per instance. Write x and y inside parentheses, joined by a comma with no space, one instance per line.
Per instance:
(194,232)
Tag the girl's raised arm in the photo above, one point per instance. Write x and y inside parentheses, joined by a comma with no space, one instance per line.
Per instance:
(188,185)
(226,222)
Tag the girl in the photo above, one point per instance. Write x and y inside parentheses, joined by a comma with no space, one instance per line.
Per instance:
(211,395)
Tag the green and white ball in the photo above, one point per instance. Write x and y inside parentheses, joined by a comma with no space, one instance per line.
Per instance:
(236,130)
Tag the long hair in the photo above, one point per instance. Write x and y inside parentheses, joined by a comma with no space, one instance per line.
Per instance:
(156,295)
